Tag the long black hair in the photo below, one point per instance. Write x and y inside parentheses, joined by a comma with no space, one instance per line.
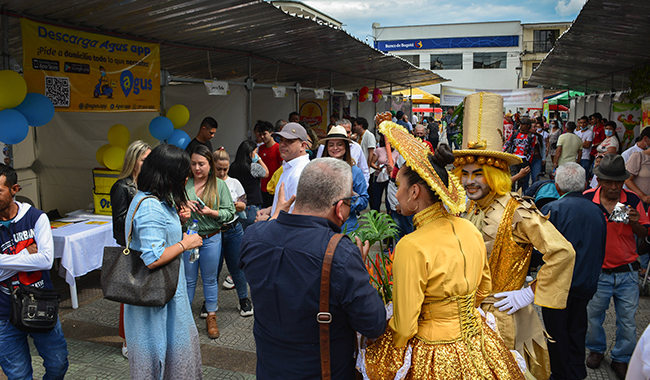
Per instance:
(243,160)
(164,173)
(439,160)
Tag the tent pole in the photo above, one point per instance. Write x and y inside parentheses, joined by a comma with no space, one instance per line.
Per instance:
(5,63)
(374,102)
(5,41)
(297,97)
(249,93)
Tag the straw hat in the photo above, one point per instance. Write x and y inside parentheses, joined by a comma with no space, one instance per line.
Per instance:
(336,133)
(416,154)
(482,131)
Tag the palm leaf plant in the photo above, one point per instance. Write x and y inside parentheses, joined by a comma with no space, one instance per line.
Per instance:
(376,227)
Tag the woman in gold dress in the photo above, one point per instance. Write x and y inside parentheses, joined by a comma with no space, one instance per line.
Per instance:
(440,276)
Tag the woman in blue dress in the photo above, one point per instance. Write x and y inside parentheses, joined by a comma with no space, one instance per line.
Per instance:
(163,341)
(337,145)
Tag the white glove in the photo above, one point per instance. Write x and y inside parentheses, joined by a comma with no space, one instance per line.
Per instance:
(515,300)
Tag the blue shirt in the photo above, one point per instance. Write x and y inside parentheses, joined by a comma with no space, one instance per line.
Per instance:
(156,226)
(282,260)
(583,224)
(359,186)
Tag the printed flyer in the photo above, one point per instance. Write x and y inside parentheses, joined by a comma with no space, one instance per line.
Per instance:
(87,72)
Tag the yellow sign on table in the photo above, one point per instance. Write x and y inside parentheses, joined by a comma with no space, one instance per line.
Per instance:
(88,72)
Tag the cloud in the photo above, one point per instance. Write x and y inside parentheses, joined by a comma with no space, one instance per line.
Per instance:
(569,7)
(358,15)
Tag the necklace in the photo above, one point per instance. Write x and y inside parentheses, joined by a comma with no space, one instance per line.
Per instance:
(429,214)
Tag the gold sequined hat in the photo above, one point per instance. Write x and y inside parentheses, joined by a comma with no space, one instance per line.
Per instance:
(482,132)
(416,154)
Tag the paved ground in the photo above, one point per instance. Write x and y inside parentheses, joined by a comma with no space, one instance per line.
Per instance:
(94,347)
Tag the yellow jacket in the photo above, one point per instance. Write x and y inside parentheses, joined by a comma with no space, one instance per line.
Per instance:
(443,258)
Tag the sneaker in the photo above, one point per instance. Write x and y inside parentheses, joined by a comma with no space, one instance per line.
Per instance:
(245,307)
(125,350)
(204,312)
(228,283)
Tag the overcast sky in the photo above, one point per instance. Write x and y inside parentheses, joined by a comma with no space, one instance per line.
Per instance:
(358,15)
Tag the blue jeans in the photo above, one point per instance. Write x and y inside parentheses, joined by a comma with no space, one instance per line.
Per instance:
(404,223)
(16,361)
(625,290)
(251,212)
(231,240)
(535,168)
(377,190)
(209,259)
(586,164)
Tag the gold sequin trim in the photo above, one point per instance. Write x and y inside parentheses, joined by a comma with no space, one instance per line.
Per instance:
(429,214)
(508,260)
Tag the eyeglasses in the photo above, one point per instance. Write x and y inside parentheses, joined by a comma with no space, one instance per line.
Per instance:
(353,199)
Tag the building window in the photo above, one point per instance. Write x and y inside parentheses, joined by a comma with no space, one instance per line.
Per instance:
(543,40)
(446,61)
(490,60)
(414,59)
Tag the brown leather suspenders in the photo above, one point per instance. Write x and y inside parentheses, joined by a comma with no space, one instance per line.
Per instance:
(324,317)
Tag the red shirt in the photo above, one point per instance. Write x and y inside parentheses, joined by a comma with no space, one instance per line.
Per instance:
(272,160)
(621,241)
(599,135)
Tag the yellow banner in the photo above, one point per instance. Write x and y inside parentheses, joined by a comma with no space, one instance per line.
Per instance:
(88,72)
(314,113)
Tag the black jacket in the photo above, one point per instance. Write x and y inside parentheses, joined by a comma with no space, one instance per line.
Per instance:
(122,194)
(569,215)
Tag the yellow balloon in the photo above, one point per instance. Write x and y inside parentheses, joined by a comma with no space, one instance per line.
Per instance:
(99,156)
(119,135)
(13,89)
(179,115)
(114,157)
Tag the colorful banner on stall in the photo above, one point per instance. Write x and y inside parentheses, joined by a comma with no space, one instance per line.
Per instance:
(628,120)
(524,98)
(314,113)
(88,72)
(645,112)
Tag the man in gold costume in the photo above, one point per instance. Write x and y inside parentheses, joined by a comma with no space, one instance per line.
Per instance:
(511,227)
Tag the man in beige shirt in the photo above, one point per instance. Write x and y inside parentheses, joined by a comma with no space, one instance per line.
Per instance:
(569,145)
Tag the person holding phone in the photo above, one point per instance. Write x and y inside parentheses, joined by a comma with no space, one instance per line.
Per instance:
(212,206)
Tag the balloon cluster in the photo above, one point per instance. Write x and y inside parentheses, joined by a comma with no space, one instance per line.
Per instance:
(112,155)
(363,94)
(166,127)
(20,108)
(376,95)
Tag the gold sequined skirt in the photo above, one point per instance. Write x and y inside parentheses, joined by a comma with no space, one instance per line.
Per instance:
(443,361)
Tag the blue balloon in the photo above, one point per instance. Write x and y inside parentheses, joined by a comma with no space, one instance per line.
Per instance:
(179,138)
(13,126)
(37,109)
(161,128)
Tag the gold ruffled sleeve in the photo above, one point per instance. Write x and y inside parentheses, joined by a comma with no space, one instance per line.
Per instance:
(408,294)
(554,277)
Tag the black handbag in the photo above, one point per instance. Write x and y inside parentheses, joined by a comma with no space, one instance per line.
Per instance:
(34,310)
(126,279)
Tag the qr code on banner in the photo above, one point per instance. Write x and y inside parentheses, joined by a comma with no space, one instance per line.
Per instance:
(58,90)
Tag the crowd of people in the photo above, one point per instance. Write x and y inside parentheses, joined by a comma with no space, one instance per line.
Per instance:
(472,256)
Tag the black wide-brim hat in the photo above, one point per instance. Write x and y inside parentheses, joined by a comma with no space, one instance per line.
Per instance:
(612,168)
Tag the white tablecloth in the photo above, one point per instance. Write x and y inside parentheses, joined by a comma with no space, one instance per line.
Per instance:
(80,247)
